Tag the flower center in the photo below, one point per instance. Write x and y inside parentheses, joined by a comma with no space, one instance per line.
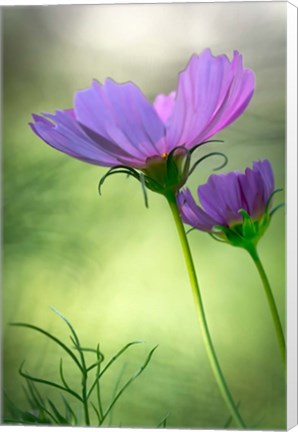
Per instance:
(164,155)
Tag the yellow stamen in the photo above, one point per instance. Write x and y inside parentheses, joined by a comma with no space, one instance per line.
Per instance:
(164,155)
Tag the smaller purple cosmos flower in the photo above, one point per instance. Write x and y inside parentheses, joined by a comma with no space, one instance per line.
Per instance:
(114,125)
(236,207)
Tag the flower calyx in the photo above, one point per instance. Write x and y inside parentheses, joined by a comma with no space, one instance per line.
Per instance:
(165,173)
(247,233)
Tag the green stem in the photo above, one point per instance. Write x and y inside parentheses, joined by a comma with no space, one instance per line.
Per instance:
(215,366)
(272,305)
(100,410)
(85,402)
(84,388)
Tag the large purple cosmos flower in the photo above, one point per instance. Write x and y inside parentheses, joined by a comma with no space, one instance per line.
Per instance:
(236,207)
(114,124)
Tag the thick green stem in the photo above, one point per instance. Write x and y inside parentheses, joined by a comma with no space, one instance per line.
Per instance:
(215,366)
(272,305)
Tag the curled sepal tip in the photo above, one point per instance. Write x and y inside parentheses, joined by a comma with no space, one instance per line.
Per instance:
(222,165)
(164,174)
(130,172)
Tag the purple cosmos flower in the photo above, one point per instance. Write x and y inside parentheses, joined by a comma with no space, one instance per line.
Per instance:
(114,124)
(235,206)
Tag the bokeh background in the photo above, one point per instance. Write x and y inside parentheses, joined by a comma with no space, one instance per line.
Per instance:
(113,267)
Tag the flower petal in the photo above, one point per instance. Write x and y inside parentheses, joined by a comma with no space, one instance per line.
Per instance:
(164,105)
(221,197)
(266,172)
(224,195)
(192,214)
(237,97)
(257,185)
(212,92)
(66,135)
(121,114)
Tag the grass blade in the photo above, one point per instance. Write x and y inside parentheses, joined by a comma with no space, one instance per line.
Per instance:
(113,359)
(50,336)
(50,383)
(129,382)
(69,412)
(59,417)
(163,423)
(116,390)
(230,419)
(97,413)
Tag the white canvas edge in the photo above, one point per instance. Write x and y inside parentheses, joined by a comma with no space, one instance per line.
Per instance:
(291,219)
(291,216)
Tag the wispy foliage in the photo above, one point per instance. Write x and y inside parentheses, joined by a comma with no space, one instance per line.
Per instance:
(76,408)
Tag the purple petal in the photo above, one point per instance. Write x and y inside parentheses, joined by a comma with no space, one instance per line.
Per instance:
(250,185)
(66,135)
(266,172)
(121,114)
(221,197)
(192,214)
(257,185)
(237,97)
(212,92)
(164,105)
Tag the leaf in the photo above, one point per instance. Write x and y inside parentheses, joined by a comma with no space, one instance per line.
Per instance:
(14,410)
(62,375)
(230,419)
(50,336)
(98,389)
(37,403)
(35,399)
(97,413)
(68,324)
(163,423)
(116,389)
(50,383)
(59,417)
(69,412)
(113,359)
(129,382)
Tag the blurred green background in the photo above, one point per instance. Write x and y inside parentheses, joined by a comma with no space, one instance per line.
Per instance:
(113,267)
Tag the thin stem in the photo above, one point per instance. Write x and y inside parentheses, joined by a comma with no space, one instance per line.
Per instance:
(214,363)
(272,305)
(100,410)
(84,398)
(84,384)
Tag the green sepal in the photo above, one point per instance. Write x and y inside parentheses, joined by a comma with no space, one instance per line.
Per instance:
(178,163)
(206,157)
(164,174)
(248,226)
(200,145)
(130,172)
(247,233)
(275,209)
(270,199)
(230,234)
(118,169)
